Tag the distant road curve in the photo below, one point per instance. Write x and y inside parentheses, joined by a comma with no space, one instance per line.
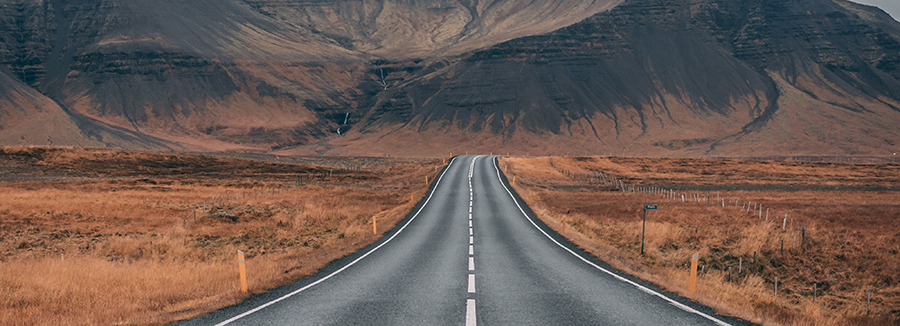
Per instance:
(470,253)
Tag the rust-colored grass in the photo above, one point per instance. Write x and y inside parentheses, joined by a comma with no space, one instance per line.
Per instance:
(852,244)
(109,237)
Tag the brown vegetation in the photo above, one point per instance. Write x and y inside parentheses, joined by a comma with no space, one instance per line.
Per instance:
(107,237)
(852,242)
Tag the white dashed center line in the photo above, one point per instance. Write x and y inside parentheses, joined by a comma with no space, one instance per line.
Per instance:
(470,312)
(470,303)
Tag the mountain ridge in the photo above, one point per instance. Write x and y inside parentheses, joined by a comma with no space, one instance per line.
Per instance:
(790,66)
(637,77)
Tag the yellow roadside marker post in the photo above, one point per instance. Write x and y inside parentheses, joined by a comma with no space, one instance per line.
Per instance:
(514,181)
(243,269)
(426,180)
(564,223)
(692,283)
(374,226)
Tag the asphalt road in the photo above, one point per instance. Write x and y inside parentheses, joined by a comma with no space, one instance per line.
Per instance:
(469,254)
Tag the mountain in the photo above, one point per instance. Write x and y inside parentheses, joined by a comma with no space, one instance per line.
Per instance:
(27,117)
(235,75)
(200,74)
(890,6)
(666,77)
(639,77)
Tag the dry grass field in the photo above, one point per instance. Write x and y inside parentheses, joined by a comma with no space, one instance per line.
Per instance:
(851,213)
(93,237)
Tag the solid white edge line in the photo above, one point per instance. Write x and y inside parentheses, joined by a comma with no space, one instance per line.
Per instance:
(295,292)
(640,287)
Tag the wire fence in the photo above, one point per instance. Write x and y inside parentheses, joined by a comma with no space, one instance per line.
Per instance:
(791,230)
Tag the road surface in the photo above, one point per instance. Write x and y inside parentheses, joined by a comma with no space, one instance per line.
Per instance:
(470,253)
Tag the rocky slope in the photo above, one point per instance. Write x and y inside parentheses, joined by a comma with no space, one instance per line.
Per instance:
(666,77)
(202,74)
(418,29)
(234,75)
(416,77)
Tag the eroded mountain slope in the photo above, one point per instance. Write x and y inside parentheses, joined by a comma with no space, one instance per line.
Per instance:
(661,77)
(27,117)
(407,29)
(657,77)
(235,75)
(202,74)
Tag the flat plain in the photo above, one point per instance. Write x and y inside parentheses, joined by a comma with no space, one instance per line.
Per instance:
(850,213)
(113,237)
(91,237)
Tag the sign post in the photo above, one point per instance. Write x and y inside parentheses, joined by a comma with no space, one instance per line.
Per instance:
(644,225)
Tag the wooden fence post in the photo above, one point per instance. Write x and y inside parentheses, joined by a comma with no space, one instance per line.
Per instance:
(868,299)
(802,236)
